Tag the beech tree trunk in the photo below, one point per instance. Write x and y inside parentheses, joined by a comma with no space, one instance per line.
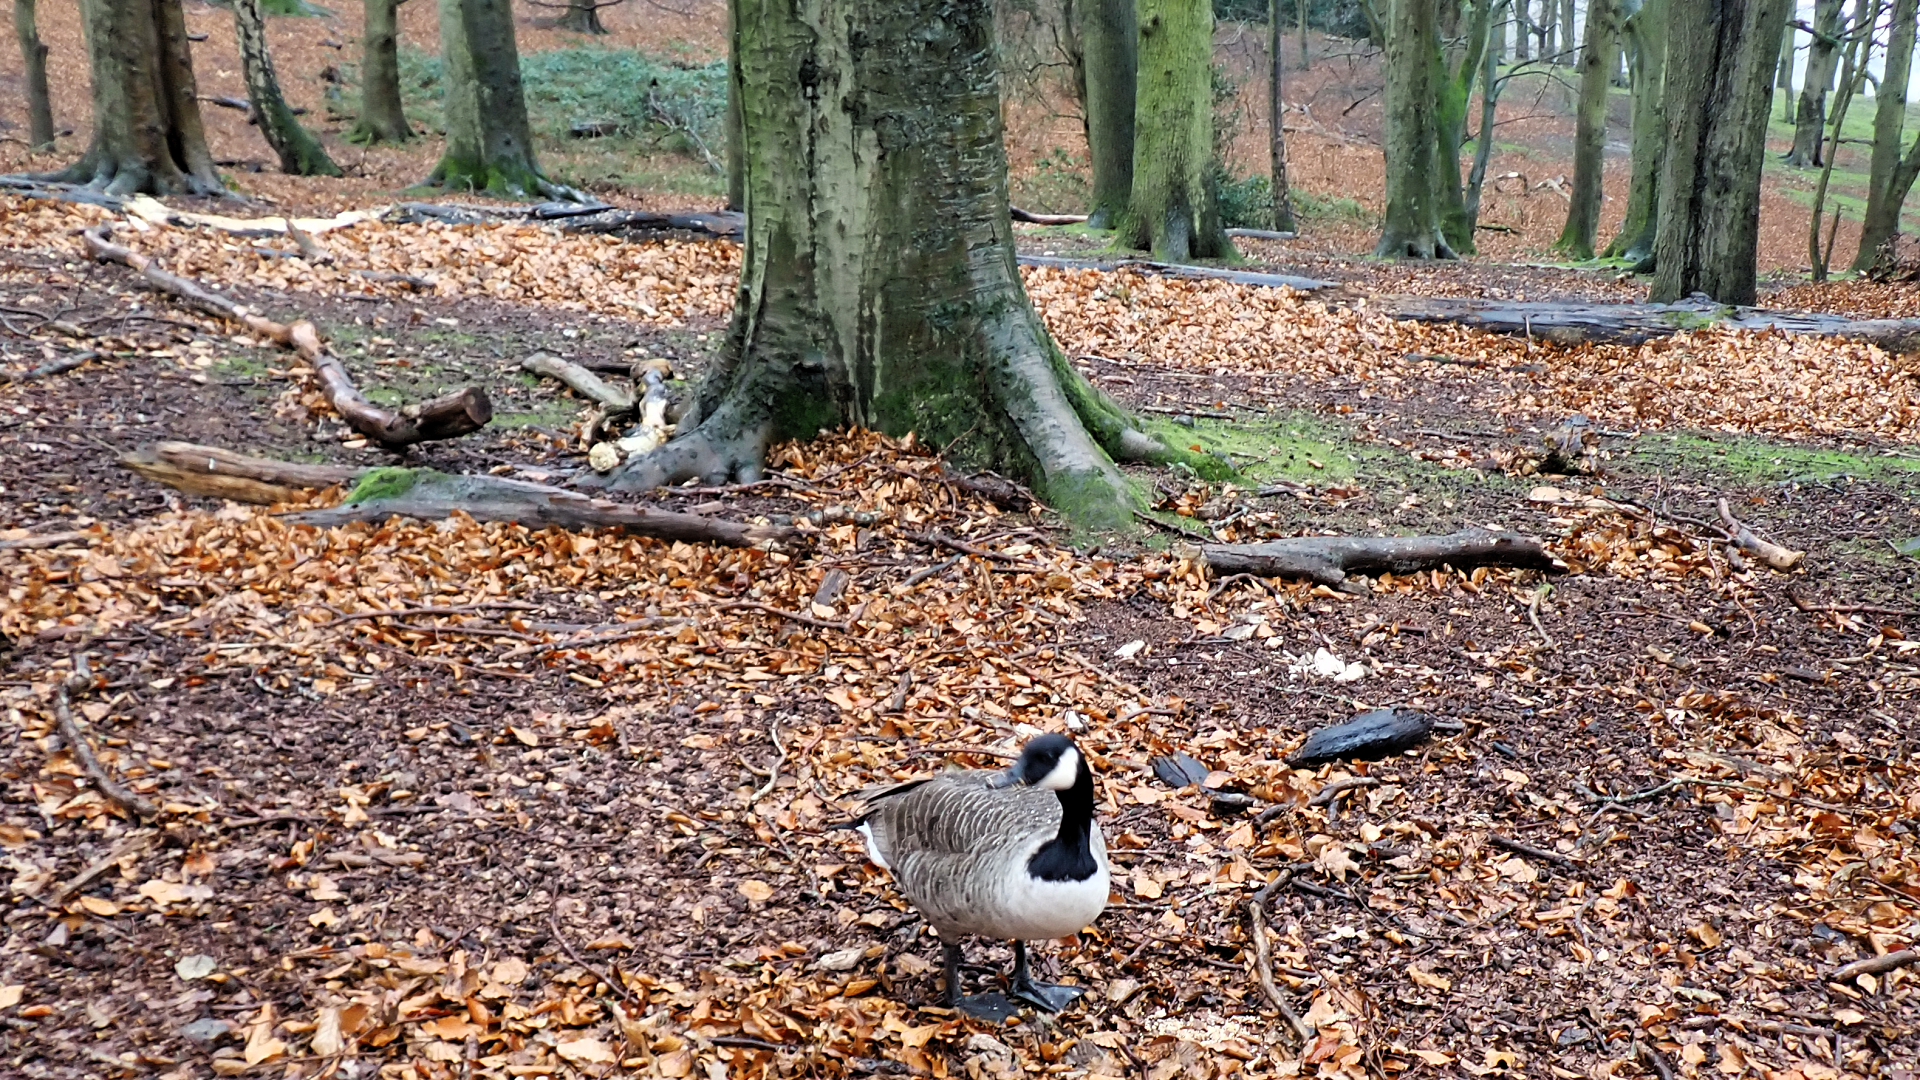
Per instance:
(1566,32)
(382,119)
(1454,71)
(1171,209)
(1412,226)
(1276,115)
(1522,29)
(147,132)
(582,17)
(1590,133)
(878,285)
(1783,73)
(33,52)
(736,151)
(1889,175)
(1109,32)
(1646,29)
(1823,54)
(489,142)
(1717,92)
(300,153)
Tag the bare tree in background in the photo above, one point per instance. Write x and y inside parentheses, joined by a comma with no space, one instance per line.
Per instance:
(34,53)
(300,153)
(382,119)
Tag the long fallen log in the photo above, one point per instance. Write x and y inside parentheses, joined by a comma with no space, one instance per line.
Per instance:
(1331,560)
(1631,324)
(444,417)
(429,495)
(1237,277)
(223,474)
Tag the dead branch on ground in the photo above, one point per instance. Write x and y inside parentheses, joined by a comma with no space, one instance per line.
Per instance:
(1847,609)
(583,382)
(82,751)
(1329,560)
(1262,956)
(444,417)
(1780,558)
(1031,218)
(1875,965)
(46,540)
(1507,843)
(223,474)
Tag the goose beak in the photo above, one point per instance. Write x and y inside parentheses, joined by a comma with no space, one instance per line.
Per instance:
(1006,779)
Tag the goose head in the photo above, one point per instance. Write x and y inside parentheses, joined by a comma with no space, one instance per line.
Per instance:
(1047,762)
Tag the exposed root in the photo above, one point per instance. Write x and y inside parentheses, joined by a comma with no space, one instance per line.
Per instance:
(698,455)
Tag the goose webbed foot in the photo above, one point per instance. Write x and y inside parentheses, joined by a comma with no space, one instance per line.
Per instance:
(994,1007)
(1047,997)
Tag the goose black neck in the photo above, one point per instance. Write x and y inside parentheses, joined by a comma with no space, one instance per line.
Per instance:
(1069,855)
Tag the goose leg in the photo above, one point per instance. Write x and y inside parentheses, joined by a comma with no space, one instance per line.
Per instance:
(1048,997)
(990,1006)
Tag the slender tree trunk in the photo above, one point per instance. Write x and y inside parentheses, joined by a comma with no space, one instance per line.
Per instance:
(1172,208)
(1590,134)
(878,285)
(1109,43)
(1888,179)
(1549,27)
(382,119)
(1412,225)
(300,153)
(582,17)
(1276,115)
(1483,146)
(1566,32)
(1646,28)
(1522,30)
(147,133)
(1783,74)
(1721,59)
(1300,9)
(1853,76)
(489,142)
(736,139)
(1453,88)
(34,53)
(1810,121)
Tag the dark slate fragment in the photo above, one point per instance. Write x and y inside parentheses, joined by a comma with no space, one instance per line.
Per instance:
(1179,770)
(1367,737)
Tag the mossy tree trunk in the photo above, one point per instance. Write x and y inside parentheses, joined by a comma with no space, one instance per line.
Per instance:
(489,141)
(582,17)
(1590,133)
(1109,33)
(1276,115)
(147,132)
(1823,55)
(1889,174)
(1171,208)
(1455,69)
(300,153)
(382,119)
(878,285)
(1645,23)
(33,52)
(1412,225)
(1717,106)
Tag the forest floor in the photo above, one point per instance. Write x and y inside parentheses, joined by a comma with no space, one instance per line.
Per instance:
(452,799)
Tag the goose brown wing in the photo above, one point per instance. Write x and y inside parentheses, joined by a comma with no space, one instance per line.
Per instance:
(958,814)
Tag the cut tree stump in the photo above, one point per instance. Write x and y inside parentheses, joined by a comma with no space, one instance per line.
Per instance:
(429,495)
(1329,560)
(448,416)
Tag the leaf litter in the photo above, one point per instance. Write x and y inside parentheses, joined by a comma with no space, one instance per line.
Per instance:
(581,829)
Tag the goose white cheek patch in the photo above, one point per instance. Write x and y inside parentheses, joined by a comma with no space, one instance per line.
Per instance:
(1064,772)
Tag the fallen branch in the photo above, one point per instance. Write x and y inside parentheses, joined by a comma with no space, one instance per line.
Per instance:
(1326,795)
(1780,558)
(134,844)
(46,540)
(1031,218)
(444,417)
(1848,609)
(1266,234)
(223,474)
(1570,323)
(83,752)
(773,771)
(429,495)
(1262,957)
(1509,844)
(1875,965)
(937,539)
(804,619)
(583,382)
(1328,560)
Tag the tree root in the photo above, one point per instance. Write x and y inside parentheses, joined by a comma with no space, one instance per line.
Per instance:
(444,417)
(700,455)
(1328,560)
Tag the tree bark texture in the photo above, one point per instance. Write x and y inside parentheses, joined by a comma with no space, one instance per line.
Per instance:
(1455,69)
(1645,24)
(33,52)
(1590,133)
(1329,560)
(1783,72)
(878,286)
(1549,45)
(147,132)
(1412,225)
(1522,29)
(489,141)
(582,17)
(1566,33)
(300,153)
(382,119)
(1171,209)
(1109,32)
(1719,73)
(1276,115)
(736,148)
(1823,54)
(1889,174)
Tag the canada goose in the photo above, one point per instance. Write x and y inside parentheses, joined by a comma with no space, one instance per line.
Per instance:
(1012,855)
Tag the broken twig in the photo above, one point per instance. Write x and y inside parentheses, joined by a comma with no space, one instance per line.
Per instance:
(83,752)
